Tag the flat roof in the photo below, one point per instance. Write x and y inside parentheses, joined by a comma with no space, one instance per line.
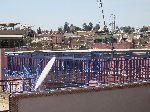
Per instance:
(11,36)
(9,24)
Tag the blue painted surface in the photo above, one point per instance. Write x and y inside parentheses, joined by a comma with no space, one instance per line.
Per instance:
(80,68)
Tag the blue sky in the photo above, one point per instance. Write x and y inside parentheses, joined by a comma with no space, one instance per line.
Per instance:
(51,14)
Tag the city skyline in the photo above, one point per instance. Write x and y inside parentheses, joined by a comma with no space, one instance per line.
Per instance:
(51,14)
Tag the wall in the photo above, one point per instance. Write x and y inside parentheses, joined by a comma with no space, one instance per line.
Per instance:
(12,32)
(133,98)
(148,28)
(4,101)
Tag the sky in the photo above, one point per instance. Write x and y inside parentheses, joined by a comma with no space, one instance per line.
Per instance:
(51,14)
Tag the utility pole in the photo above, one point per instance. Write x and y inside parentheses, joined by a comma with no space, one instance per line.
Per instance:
(114,22)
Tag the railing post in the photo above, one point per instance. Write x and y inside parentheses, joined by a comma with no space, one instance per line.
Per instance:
(2,66)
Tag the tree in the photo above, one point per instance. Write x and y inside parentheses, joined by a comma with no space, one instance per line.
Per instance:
(85,27)
(51,31)
(66,27)
(97,27)
(77,28)
(128,29)
(144,29)
(60,29)
(90,26)
(39,31)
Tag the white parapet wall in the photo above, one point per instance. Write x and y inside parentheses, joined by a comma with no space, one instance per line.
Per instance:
(126,98)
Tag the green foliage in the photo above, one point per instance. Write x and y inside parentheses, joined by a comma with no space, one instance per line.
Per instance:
(88,27)
(144,29)
(39,31)
(128,29)
(60,29)
(97,27)
(85,27)
(77,28)
(66,27)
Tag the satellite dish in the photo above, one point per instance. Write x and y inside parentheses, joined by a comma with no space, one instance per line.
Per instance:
(45,72)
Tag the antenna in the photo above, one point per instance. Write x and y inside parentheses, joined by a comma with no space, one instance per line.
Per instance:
(113,22)
(102,11)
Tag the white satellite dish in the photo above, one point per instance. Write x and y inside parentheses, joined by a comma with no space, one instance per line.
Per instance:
(45,73)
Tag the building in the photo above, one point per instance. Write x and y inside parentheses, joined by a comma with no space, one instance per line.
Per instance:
(148,28)
(9,37)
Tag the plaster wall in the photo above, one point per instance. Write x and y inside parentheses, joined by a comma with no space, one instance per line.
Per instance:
(4,101)
(119,100)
